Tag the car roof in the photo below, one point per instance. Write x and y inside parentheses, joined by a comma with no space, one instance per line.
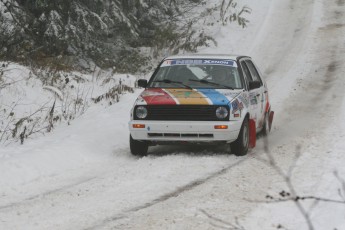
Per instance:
(206,56)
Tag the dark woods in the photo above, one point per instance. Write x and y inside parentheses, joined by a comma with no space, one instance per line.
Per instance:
(124,34)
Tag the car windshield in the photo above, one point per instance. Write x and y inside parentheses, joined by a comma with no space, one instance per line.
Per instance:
(197,73)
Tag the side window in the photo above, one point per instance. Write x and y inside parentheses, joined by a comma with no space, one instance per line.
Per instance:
(254,73)
(246,73)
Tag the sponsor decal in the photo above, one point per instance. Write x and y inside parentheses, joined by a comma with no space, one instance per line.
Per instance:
(253,99)
(228,93)
(244,99)
(236,106)
(218,62)
(167,62)
(187,62)
(199,62)
(187,94)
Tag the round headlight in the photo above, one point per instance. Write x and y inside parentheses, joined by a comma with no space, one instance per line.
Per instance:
(141,112)
(221,112)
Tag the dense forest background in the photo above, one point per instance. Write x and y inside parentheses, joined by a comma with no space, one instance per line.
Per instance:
(121,34)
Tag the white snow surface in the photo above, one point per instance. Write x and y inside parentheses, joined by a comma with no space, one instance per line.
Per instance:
(82,176)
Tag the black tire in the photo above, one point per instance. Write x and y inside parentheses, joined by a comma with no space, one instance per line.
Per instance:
(241,145)
(138,148)
(266,126)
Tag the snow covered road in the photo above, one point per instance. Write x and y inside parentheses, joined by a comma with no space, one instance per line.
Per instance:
(83,176)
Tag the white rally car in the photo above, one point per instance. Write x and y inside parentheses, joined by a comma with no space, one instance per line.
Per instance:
(201,99)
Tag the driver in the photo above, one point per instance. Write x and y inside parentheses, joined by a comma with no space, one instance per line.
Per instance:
(220,76)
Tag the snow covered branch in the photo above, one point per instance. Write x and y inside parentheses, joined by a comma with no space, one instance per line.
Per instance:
(222,224)
(110,33)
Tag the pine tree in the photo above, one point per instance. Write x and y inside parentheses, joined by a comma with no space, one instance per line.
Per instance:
(108,32)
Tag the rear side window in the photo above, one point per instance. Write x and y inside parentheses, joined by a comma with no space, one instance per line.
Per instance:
(246,74)
(246,71)
(254,73)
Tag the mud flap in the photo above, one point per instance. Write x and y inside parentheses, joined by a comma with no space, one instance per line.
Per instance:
(271,119)
(252,133)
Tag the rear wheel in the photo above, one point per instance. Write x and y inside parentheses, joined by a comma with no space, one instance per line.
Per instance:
(138,148)
(241,145)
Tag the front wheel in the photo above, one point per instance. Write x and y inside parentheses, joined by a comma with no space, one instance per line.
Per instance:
(138,148)
(241,145)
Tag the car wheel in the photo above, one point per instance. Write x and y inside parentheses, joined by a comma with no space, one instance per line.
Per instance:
(138,148)
(241,145)
(266,126)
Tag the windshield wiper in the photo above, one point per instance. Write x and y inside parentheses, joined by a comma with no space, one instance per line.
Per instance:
(174,82)
(211,83)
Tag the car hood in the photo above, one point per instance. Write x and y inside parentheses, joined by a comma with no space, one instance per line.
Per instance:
(160,96)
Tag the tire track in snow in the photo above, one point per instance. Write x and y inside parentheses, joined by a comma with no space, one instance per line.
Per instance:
(45,194)
(320,82)
(76,182)
(65,196)
(167,196)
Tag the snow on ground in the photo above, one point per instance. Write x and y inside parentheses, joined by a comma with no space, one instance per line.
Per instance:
(33,102)
(82,176)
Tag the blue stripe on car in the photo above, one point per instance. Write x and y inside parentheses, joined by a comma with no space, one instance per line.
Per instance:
(216,97)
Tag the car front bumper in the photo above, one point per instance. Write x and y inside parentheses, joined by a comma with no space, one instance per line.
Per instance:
(189,131)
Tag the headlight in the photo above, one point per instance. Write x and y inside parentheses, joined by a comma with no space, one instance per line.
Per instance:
(141,112)
(221,112)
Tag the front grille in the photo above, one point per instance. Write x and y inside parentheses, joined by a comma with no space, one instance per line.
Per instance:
(182,113)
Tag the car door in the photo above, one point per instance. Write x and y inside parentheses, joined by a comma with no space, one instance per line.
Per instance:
(260,93)
(256,96)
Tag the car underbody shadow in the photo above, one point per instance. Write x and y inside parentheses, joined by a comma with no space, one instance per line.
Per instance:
(189,149)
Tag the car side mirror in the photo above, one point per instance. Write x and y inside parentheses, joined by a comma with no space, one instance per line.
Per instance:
(142,83)
(254,85)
